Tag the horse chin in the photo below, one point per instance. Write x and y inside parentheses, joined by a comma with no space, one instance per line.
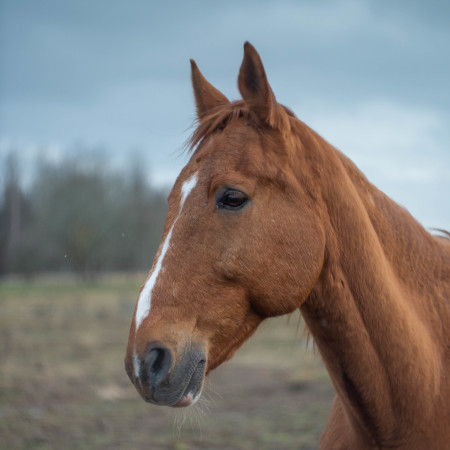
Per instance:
(188,400)
(193,389)
(192,392)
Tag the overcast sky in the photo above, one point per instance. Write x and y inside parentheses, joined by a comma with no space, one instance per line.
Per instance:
(372,77)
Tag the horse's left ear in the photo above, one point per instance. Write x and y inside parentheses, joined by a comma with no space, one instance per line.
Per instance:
(207,97)
(256,91)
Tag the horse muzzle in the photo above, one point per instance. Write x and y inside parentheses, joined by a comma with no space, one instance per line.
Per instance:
(163,379)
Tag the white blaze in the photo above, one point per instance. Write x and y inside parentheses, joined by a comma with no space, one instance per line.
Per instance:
(186,189)
(136,366)
(145,298)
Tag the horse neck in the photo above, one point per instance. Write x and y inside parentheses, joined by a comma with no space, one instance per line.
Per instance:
(379,314)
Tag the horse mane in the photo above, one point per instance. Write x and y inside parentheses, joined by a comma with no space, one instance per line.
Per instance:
(218,118)
(444,233)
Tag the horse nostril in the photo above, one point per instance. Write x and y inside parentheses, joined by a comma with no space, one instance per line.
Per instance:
(154,363)
(157,364)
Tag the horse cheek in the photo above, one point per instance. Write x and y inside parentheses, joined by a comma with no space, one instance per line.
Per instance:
(286,272)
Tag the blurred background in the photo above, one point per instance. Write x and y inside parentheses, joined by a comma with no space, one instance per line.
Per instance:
(95,105)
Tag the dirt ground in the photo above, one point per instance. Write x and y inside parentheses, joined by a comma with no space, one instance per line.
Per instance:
(63,386)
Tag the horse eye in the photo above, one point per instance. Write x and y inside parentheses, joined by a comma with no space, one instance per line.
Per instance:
(231,199)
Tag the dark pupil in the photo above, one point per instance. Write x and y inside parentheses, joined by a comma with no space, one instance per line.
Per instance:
(234,199)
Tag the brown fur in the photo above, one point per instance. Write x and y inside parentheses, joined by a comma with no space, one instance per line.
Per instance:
(373,286)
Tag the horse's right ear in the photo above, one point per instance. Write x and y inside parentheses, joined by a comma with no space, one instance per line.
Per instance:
(206,95)
(257,93)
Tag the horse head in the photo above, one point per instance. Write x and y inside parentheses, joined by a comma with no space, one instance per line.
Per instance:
(243,239)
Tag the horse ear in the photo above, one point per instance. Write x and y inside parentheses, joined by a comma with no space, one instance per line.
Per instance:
(255,88)
(206,95)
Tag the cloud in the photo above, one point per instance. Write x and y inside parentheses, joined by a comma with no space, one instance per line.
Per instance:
(385,136)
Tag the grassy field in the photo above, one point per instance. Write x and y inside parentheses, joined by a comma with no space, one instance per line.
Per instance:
(63,386)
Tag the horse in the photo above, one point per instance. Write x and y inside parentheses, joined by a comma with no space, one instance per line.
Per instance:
(267,218)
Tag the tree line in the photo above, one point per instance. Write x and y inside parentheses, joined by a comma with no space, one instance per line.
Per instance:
(78,215)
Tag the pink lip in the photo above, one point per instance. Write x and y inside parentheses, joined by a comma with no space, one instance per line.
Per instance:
(185,401)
